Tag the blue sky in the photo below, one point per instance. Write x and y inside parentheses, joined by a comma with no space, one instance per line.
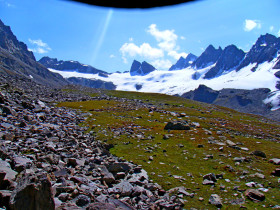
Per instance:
(110,39)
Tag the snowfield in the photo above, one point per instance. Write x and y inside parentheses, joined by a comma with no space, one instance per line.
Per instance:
(181,81)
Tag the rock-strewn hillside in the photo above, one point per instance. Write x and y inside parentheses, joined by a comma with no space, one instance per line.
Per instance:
(48,162)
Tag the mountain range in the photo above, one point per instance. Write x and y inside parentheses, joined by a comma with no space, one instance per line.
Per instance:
(248,82)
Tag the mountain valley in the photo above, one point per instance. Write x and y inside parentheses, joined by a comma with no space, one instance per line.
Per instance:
(143,139)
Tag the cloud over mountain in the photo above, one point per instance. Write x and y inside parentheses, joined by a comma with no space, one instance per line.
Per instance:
(39,46)
(167,48)
(249,25)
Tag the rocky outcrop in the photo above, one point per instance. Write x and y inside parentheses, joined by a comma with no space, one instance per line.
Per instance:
(16,59)
(177,125)
(33,191)
(9,42)
(141,69)
(183,62)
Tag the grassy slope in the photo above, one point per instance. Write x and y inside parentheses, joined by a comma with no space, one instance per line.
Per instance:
(137,134)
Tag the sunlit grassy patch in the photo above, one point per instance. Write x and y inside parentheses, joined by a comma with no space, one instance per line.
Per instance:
(137,135)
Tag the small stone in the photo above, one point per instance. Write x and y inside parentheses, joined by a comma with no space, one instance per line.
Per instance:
(259,154)
(208,182)
(276,172)
(82,200)
(215,200)
(210,177)
(230,143)
(275,161)
(201,199)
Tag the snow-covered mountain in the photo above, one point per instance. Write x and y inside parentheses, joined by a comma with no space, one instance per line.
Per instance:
(216,68)
(70,66)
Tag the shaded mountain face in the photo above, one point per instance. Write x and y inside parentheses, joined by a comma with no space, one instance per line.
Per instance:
(9,42)
(184,62)
(249,101)
(229,59)
(92,83)
(141,69)
(17,60)
(70,66)
(265,49)
(208,57)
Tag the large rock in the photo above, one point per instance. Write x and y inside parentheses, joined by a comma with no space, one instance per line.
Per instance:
(177,125)
(215,200)
(254,195)
(7,175)
(124,188)
(33,191)
(275,161)
(20,163)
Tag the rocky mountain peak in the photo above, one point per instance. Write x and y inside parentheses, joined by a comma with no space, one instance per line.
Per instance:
(48,61)
(184,62)
(141,69)
(208,57)
(229,59)
(9,42)
(18,62)
(265,49)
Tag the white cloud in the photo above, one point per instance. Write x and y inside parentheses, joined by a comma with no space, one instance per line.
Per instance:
(144,50)
(167,38)
(271,28)
(166,46)
(112,56)
(182,37)
(161,64)
(249,25)
(278,33)
(39,46)
(177,55)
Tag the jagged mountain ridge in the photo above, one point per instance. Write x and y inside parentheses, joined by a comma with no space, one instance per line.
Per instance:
(183,62)
(17,60)
(218,69)
(141,69)
(70,66)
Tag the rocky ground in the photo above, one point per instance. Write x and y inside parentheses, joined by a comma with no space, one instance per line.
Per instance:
(48,162)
